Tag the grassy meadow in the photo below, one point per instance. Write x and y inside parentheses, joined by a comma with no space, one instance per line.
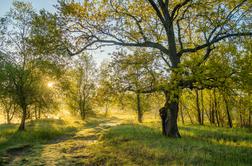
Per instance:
(120,140)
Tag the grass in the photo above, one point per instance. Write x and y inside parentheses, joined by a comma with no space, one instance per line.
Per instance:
(37,133)
(129,143)
(144,145)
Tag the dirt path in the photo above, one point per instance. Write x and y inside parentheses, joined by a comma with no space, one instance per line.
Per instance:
(69,150)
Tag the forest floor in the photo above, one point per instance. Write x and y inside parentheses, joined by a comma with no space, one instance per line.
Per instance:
(120,141)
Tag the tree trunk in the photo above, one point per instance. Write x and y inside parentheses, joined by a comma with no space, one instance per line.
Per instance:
(8,118)
(163,116)
(241,119)
(230,124)
(215,109)
(36,112)
(202,107)
(139,110)
(181,112)
(191,120)
(169,116)
(22,124)
(106,109)
(198,107)
(173,108)
(249,118)
(211,110)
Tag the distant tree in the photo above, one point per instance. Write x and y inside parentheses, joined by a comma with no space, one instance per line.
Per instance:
(134,73)
(105,93)
(82,79)
(8,106)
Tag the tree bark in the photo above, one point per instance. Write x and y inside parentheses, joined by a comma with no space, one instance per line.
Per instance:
(169,116)
(173,108)
(163,116)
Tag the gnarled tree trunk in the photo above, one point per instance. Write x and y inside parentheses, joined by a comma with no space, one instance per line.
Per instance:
(169,116)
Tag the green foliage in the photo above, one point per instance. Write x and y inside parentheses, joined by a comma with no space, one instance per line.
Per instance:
(46,38)
(81,90)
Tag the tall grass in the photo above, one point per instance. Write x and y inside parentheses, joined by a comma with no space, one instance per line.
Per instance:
(144,145)
(40,131)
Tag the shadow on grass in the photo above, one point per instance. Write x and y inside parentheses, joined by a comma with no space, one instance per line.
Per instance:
(142,145)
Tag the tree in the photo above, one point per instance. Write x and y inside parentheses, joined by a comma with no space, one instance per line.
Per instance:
(105,93)
(178,29)
(22,70)
(9,108)
(82,85)
(134,73)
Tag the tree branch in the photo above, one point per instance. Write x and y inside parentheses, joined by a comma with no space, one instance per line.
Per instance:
(214,40)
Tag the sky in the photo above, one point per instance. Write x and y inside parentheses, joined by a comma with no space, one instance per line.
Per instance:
(99,55)
(37,4)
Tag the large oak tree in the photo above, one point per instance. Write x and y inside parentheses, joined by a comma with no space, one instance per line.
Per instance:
(176,28)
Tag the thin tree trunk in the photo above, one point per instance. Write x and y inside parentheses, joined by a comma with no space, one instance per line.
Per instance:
(241,119)
(22,124)
(249,118)
(36,112)
(202,107)
(106,109)
(182,112)
(191,120)
(139,110)
(8,117)
(189,116)
(230,124)
(39,112)
(215,109)
(198,107)
(211,110)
